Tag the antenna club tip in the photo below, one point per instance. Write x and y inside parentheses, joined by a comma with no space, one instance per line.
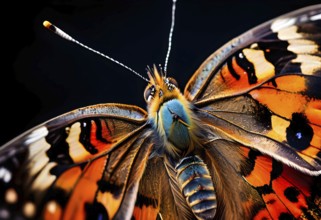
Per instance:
(46,24)
(49,26)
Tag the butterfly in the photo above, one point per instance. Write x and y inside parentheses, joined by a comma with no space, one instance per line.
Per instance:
(241,141)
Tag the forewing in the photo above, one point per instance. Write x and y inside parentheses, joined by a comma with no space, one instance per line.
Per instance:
(83,164)
(262,89)
(258,99)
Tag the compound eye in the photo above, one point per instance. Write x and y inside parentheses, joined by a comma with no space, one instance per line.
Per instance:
(149,93)
(172,81)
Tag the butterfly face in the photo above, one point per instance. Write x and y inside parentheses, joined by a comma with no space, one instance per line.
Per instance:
(170,113)
(242,141)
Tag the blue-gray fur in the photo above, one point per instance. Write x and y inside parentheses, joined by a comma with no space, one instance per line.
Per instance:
(176,132)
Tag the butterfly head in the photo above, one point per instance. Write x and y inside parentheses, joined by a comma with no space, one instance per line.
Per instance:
(169,111)
(160,88)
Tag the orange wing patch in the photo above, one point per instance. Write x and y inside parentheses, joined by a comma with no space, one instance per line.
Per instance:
(85,189)
(265,166)
(68,179)
(280,102)
(262,214)
(89,137)
(290,83)
(275,207)
(81,185)
(281,187)
(109,201)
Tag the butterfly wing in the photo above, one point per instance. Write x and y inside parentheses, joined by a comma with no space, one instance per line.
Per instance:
(157,198)
(83,164)
(260,94)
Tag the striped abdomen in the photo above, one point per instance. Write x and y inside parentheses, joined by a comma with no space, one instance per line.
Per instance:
(197,187)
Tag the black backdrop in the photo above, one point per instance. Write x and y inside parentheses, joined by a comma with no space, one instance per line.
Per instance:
(44,76)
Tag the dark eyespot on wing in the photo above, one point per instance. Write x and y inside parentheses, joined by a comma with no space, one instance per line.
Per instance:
(292,194)
(285,216)
(95,211)
(299,133)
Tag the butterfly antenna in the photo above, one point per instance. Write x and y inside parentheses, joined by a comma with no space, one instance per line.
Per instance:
(66,36)
(170,37)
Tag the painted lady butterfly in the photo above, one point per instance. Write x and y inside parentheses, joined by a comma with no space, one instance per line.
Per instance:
(242,141)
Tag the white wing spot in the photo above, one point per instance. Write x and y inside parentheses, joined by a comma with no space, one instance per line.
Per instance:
(36,135)
(76,150)
(7,177)
(310,64)
(11,196)
(5,174)
(44,178)
(282,23)
(289,33)
(29,209)
(299,135)
(52,206)
(315,17)
(2,172)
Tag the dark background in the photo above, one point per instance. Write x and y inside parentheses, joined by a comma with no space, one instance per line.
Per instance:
(44,75)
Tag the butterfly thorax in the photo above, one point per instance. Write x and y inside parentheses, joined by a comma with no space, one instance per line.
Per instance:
(170,114)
